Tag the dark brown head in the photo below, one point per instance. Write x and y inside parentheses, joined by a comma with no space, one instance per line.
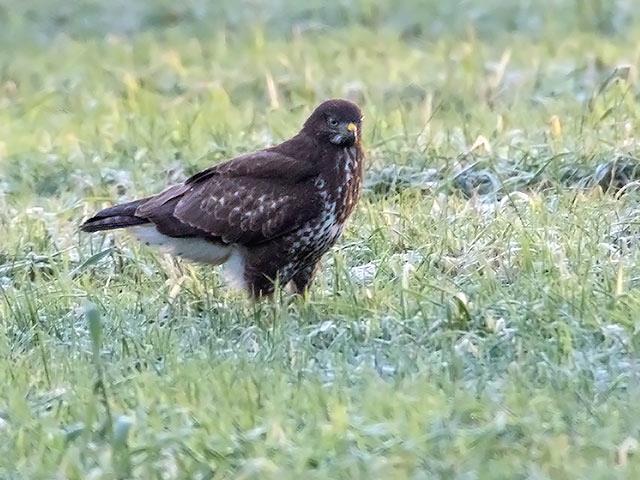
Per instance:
(336,122)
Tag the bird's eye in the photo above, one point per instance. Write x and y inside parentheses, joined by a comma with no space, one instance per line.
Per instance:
(332,122)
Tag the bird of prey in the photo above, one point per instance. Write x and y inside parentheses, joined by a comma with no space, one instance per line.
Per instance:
(268,216)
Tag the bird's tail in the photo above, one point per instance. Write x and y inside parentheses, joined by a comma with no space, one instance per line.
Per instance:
(118,216)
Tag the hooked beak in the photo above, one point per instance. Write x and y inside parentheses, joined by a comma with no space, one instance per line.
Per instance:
(347,136)
(352,131)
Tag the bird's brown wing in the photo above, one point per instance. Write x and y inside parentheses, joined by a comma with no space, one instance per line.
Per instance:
(267,164)
(249,200)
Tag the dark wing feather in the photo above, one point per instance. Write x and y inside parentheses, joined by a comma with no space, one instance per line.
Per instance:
(246,210)
(249,200)
(159,210)
(269,163)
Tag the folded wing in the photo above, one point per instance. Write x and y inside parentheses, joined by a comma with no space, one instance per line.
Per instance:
(249,200)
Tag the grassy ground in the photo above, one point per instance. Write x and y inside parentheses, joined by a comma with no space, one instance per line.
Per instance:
(477,320)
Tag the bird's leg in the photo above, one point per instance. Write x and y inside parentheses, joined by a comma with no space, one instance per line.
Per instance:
(301,281)
(260,286)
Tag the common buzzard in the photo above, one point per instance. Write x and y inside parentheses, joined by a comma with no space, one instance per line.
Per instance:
(268,216)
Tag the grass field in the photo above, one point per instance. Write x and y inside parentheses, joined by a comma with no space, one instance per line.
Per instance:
(478,320)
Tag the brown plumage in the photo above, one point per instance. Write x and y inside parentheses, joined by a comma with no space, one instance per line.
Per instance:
(269,216)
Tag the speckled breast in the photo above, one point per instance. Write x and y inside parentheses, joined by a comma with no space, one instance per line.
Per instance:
(339,196)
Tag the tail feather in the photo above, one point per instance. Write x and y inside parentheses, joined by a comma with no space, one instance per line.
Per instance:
(118,216)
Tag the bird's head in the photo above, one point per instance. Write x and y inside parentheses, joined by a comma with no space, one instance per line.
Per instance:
(335,121)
